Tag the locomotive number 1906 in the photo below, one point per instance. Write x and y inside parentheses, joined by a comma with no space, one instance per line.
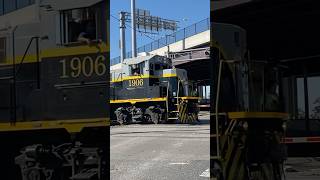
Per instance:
(135,82)
(86,66)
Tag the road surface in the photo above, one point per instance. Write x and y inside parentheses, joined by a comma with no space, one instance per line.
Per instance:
(303,169)
(161,152)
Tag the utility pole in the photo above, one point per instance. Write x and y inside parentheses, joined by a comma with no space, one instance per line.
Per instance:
(122,35)
(141,19)
(133,30)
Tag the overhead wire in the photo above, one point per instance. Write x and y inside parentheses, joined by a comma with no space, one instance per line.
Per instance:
(143,33)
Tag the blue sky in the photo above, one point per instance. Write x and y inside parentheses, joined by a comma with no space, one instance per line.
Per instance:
(187,12)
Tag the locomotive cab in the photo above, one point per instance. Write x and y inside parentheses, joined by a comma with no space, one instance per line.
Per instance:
(248,125)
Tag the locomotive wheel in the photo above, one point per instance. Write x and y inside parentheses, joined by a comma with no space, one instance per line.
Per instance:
(153,115)
(120,121)
(156,119)
(147,119)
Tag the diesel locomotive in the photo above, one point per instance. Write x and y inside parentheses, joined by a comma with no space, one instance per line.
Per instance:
(149,89)
(248,122)
(54,121)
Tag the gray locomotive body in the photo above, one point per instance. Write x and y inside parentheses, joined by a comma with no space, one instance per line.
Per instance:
(53,88)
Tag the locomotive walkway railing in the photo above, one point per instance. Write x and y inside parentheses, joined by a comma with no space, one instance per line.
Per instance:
(184,33)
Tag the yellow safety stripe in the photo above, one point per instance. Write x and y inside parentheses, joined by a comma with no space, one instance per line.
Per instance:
(59,52)
(72,125)
(134,77)
(144,77)
(182,112)
(78,50)
(236,163)
(189,97)
(245,115)
(214,157)
(227,156)
(184,115)
(166,75)
(133,101)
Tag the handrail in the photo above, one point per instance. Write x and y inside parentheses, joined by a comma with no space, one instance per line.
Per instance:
(16,69)
(24,55)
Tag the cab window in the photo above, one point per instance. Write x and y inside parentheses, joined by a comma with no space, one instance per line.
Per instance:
(24,3)
(134,70)
(137,69)
(9,6)
(165,66)
(151,71)
(1,8)
(314,97)
(80,24)
(157,67)
(2,50)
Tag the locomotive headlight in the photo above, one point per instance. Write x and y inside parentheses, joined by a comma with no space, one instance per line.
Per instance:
(174,94)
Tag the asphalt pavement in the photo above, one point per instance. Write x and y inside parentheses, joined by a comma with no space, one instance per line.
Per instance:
(161,152)
(178,152)
(306,168)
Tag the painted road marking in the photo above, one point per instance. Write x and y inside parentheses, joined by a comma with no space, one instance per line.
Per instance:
(179,144)
(179,163)
(206,173)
